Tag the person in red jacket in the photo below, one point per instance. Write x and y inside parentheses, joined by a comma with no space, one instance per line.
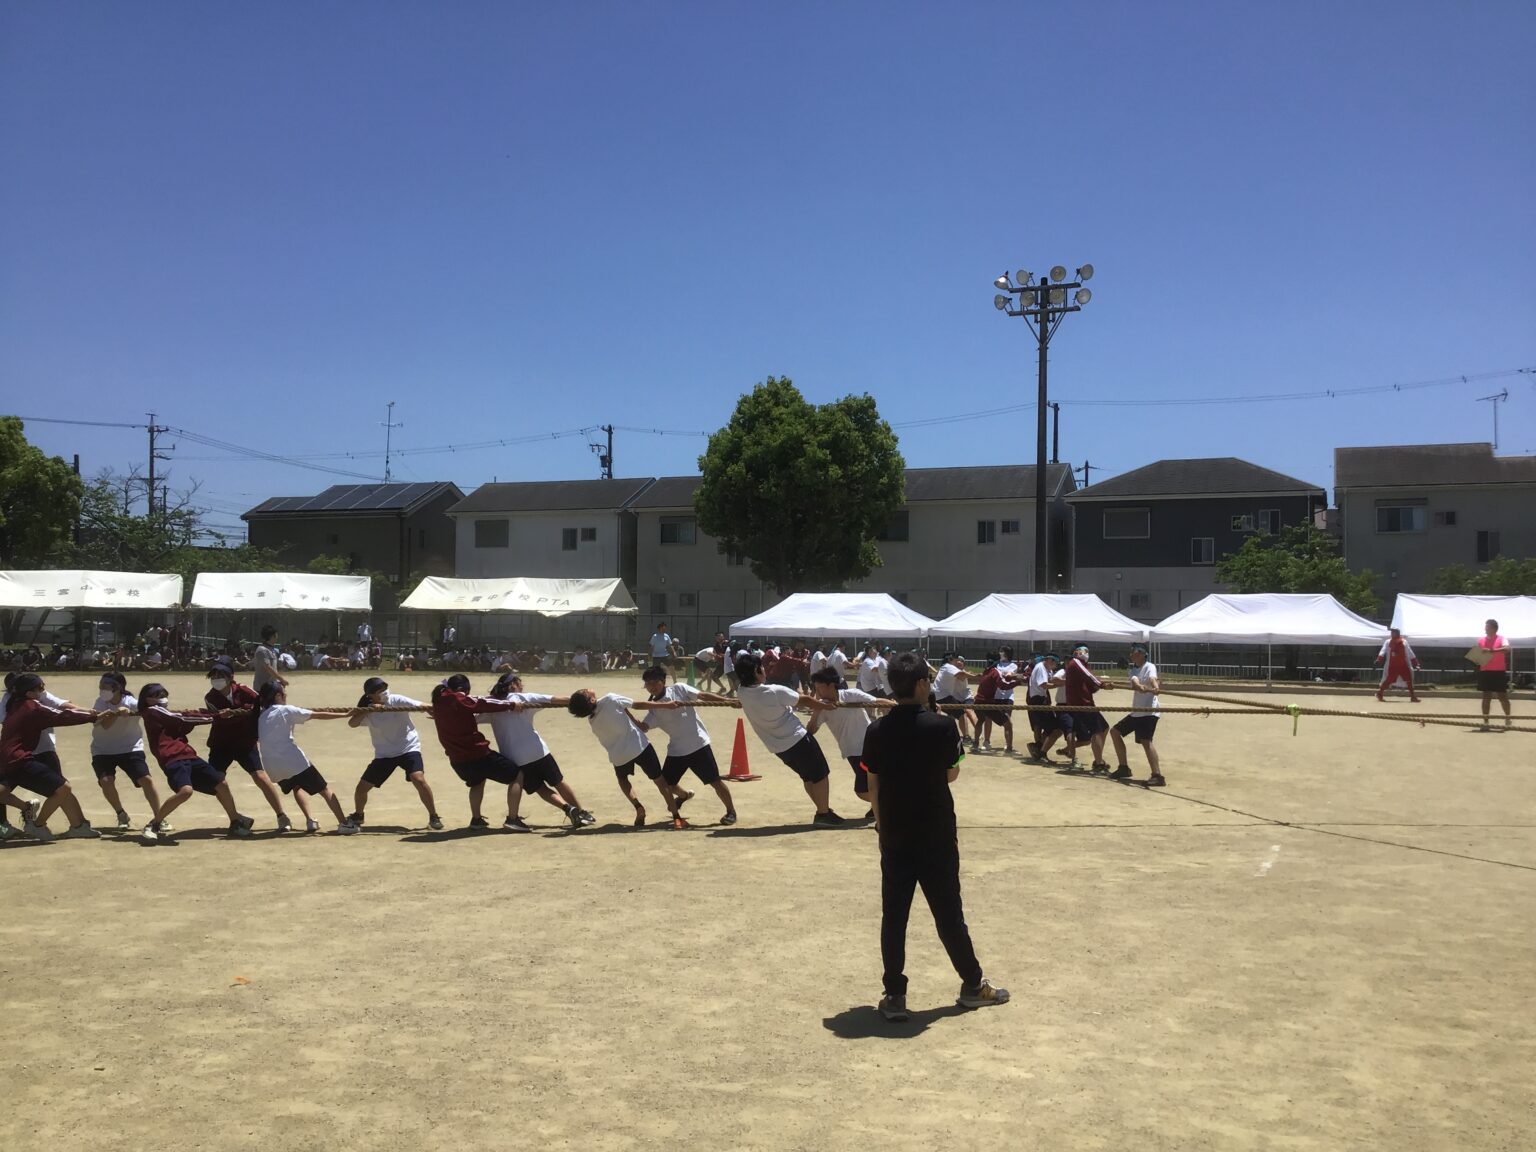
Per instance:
(232,738)
(455,713)
(1084,727)
(1398,663)
(165,732)
(27,717)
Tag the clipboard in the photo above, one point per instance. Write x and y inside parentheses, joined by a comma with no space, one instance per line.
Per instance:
(1479,656)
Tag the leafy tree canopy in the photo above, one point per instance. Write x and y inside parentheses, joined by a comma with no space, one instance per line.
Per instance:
(801,489)
(39,499)
(1505,576)
(1303,558)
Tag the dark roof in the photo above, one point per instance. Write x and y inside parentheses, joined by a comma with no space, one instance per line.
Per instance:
(1004,482)
(552,495)
(669,492)
(1428,465)
(1216,476)
(353,498)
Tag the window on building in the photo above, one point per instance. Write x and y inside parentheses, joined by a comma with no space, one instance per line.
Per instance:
(1447,518)
(1400,518)
(1202,550)
(734,559)
(1127,523)
(898,527)
(1010,527)
(1268,521)
(1487,547)
(1142,600)
(658,603)
(589,535)
(678,530)
(687,600)
(1243,523)
(986,531)
(490,533)
(567,539)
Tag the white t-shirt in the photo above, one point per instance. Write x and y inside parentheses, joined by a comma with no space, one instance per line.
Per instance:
(818,661)
(126,733)
(837,660)
(872,674)
(580,661)
(948,685)
(286,662)
(615,730)
(1041,679)
(393,733)
(728,661)
(280,756)
(1147,672)
(769,708)
(848,725)
(685,735)
(1010,669)
(516,737)
(707,655)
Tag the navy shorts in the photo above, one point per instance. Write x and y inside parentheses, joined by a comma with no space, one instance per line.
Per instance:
(132,763)
(201,775)
(382,768)
(35,775)
(1139,724)
(493,766)
(647,762)
(1045,722)
(308,780)
(701,763)
(1494,682)
(807,761)
(220,759)
(1084,725)
(860,777)
(51,759)
(541,773)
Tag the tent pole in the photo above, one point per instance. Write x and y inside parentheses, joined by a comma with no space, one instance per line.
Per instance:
(1269,664)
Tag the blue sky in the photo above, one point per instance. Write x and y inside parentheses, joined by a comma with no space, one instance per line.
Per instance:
(264,222)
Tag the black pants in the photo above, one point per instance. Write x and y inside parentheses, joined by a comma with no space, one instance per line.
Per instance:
(937,869)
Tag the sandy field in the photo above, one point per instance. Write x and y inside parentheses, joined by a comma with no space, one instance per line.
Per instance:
(1322,941)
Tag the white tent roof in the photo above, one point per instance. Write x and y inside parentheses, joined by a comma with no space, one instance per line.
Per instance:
(522,594)
(1460,619)
(1272,617)
(1021,616)
(73,588)
(300,591)
(830,614)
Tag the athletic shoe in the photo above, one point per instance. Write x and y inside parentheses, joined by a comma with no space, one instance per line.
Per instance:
(8,831)
(829,819)
(240,826)
(283,823)
(984,995)
(435,823)
(894,1009)
(123,823)
(166,827)
(1415,700)
(36,831)
(1100,768)
(1034,750)
(150,833)
(81,831)
(728,819)
(1121,773)
(1065,755)
(573,814)
(33,810)
(678,822)
(639,817)
(870,815)
(515,824)
(1156,781)
(681,800)
(311,825)
(479,822)
(356,818)
(1379,698)
(347,828)
(587,819)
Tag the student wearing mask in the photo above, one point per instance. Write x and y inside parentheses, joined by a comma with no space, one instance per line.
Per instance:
(1142,722)
(232,735)
(396,744)
(688,744)
(848,724)
(628,747)
(117,743)
(770,709)
(519,741)
(456,715)
(165,733)
(27,716)
(286,763)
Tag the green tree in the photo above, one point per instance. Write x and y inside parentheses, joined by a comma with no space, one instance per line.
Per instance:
(801,489)
(1303,558)
(39,500)
(384,595)
(1505,576)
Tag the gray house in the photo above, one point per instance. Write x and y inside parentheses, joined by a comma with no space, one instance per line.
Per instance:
(1407,510)
(1147,541)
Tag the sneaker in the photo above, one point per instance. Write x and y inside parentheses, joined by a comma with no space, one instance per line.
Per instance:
(984,995)
(1156,781)
(728,819)
(686,796)
(356,818)
(36,831)
(1065,755)
(479,822)
(347,828)
(33,810)
(240,826)
(1100,768)
(1121,773)
(678,822)
(311,825)
(829,819)
(573,814)
(587,819)
(515,824)
(283,823)
(1034,750)
(166,827)
(81,831)
(123,823)
(894,1009)
(435,822)
(149,834)
(8,831)
(639,817)
(870,815)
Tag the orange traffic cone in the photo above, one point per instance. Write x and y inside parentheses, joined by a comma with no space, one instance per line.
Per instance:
(739,769)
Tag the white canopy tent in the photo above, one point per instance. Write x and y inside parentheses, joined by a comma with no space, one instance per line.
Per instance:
(872,615)
(1460,619)
(272,591)
(1026,617)
(546,597)
(1270,617)
(75,588)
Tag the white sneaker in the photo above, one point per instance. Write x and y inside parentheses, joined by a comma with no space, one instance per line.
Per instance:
(123,823)
(148,833)
(166,827)
(81,831)
(347,828)
(312,826)
(34,810)
(284,824)
(37,831)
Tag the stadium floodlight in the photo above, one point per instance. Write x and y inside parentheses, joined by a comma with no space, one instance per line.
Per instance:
(1022,277)
(1085,272)
(1083,296)
(1001,283)
(1058,295)
(1000,302)
(1058,274)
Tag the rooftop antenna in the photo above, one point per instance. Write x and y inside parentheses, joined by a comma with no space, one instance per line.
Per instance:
(389,427)
(1497,398)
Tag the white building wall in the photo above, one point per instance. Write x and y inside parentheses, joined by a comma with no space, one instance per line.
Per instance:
(534,545)
(1166,590)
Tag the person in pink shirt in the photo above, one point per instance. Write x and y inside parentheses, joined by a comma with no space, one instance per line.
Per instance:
(1493,676)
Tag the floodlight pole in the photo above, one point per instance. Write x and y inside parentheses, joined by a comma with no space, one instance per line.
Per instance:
(1042,542)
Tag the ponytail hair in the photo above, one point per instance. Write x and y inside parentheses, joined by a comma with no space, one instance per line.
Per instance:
(19,687)
(116,678)
(503,686)
(458,682)
(148,691)
(267,696)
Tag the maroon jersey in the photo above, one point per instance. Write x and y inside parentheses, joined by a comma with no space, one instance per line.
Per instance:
(232,733)
(454,714)
(24,727)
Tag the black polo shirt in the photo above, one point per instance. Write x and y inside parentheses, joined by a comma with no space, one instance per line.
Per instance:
(912,751)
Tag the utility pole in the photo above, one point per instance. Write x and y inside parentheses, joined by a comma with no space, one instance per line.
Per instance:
(149,489)
(389,427)
(1087,473)
(1055,432)
(604,458)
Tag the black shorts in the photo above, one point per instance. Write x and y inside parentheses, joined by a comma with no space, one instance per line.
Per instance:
(1142,725)
(807,761)
(1492,681)
(202,776)
(1045,721)
(860,777)
(647,763)
(132,763)
(543,772)
(700,762)
(35,775)
(492,766)
(1083,725)
(221,758)
(308,780)
(381,768)
(51,759)
(952,706)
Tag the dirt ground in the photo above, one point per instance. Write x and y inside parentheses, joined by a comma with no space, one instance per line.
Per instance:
(1314,942)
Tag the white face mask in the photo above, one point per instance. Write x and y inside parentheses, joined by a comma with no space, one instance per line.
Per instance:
(219,684)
